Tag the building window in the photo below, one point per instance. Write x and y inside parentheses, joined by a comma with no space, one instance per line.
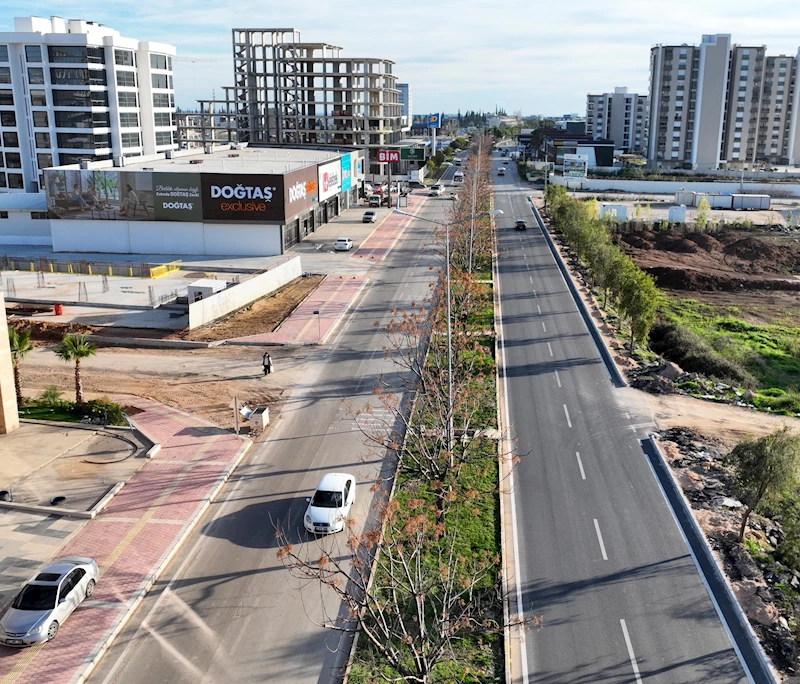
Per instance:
(8,119)
(10,139)
(38,98)
(3,185)
(124,58)
(160,81)
(82,119)
(128,100)
(33,53)
(35,75)
(80,98)
(44,160)
(160,100)
(6,98)
(37,215)
(13,160)
(40,120)
(158,62)
(163,138)
(15,181)
(42,140)
(3,53)
(131,140)
(5,74)
(126,79)
(129,120)
(163,119)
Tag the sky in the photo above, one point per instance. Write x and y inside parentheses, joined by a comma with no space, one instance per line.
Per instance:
(533,56)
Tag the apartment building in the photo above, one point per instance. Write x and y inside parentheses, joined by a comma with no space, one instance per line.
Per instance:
(406,110)
(288,92)
(619,116)
(74,90)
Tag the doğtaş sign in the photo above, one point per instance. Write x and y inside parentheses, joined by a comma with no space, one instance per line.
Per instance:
(177,197)
(330,179)
(301,190)
(245,197)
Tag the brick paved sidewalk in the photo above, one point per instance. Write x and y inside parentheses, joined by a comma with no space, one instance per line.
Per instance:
(332,298)
(378,245)
(133,539)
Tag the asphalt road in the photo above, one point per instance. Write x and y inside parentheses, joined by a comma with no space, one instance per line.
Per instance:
(231,613)
(601,558)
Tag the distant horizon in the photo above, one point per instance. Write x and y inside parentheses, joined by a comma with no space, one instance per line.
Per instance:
(476,59)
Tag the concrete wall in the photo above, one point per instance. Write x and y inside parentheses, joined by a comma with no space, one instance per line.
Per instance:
(237,296)
(20,229)
(165,237)
(669,187)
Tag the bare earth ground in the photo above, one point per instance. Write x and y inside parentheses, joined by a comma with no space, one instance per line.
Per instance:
(264,315)
(261,316)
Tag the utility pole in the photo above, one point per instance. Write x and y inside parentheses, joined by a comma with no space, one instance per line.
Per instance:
(449,353)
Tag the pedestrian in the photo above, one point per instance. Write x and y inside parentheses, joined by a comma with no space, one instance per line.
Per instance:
(266,362)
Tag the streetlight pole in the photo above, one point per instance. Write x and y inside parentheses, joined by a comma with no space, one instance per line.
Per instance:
(475,173)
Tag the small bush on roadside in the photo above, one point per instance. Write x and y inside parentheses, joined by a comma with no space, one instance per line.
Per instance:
(51,396)
(102,409)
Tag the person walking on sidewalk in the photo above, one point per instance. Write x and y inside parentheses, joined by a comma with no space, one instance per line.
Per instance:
(266,362)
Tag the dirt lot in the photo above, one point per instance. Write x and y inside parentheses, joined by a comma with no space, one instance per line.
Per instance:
(754,272)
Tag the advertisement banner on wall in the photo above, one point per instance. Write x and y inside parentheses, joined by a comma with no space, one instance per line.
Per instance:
(301,190)
(347,172)
(177,197)
(100,195)
(330,179)
(359,167)
(242,197)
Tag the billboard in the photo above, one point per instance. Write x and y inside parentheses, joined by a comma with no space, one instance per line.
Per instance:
(412,153)
(575,166)
(347,172)
(433,120)
(98,194)
(300,191)
(177,197)
(330,179)
(388,156)
(246,197)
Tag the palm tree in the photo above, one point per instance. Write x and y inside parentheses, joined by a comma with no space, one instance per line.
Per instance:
(74,348)
(20,343)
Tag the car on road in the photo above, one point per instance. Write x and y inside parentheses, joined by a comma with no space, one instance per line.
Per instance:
(47,600)
(369,217)
(453,196)
(519,224)
(501,171)
(374,200)
(343,244)
(330,506)
(435,190)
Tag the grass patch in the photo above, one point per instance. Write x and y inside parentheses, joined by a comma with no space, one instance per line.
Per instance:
(49,413)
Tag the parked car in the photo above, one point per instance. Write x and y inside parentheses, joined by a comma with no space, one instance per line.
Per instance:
(374,200)
(369,217)
(343,245)
(330,506)
(520,225)
(47,600)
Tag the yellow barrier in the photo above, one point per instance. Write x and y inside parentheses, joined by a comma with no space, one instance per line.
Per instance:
(164,269)
(100,268)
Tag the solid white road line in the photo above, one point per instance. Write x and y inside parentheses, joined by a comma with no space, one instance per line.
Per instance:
(580,465)
(558,380)
(550,349)
(600,539)
(631,654)
(566,413)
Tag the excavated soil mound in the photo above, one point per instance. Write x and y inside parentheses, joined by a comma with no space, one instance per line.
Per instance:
(753,249)
(704,241)
(672,278)
(674,242)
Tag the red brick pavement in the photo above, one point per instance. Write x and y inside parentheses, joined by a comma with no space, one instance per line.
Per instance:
(132,540)
(378,245)
(332,298)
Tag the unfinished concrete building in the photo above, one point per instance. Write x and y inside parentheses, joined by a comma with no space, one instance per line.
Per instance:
(294,93)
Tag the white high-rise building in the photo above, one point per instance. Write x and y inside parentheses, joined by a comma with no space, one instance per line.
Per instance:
(73,90)
(406,113)
(619,116)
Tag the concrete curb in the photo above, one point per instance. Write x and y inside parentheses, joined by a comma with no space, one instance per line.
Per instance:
(94,658)
(744,640)
(137,342)
(591,326)
(66,512)
(79,426)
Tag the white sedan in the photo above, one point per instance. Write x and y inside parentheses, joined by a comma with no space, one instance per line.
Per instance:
(47,600)
(329,508)
(343,245)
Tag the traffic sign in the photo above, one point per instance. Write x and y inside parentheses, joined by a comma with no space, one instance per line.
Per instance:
(388,156)
(412,153)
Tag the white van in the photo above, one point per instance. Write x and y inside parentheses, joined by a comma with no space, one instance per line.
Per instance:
(458,177)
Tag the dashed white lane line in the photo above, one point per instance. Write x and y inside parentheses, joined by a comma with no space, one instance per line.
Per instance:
(528,266)
(600,539)
(544,327)
(531,279)
(534,291)
(631,654)
(566,413)
(580,465)
(558,380)
(550,349)
(539,308)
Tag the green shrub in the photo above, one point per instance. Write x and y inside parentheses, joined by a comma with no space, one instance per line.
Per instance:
(103,409)
(51,396)
(692,353)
